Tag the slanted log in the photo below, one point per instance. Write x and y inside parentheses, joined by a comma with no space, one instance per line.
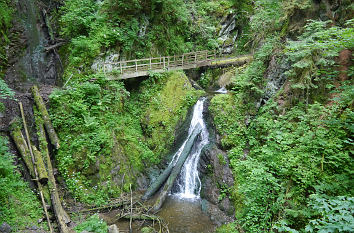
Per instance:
(21,145)
(42,171)
(62,217)
(154,187)
(177,168)
(47,123)
(35,169)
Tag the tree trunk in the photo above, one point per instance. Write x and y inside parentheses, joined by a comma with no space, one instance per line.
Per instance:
(154,187)
(177,168)
(61,215)
(21,145)
(42,172)
(47,123)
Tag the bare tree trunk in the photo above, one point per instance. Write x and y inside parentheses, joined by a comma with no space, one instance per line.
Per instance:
(21,145)
(47,123)
(60,214)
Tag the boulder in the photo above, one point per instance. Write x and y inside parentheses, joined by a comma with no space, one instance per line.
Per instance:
(5,228)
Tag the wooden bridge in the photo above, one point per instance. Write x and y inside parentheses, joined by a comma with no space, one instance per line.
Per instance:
(142,67)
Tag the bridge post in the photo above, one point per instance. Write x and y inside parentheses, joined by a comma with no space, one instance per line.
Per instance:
(195,57)
(150,63)
(121,68)
(168,62)
(206,55)
(182,59)
(164,65)
(136,66)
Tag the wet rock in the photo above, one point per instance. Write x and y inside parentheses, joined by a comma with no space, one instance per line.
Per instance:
(228,33)
(275,76)
(216,176)
(217,216)
(142,182)
(113,229)
(5,228)
(227,206)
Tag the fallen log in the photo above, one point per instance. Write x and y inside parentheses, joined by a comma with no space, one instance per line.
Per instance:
(42,171)
(177,168)
(47,49)
(47,123)
(62,217)
(35,169)
(139,217)
(21,145)
(154,187)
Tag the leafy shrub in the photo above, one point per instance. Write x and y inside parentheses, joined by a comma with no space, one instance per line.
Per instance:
(93,224)
(336,214)
(312,57)
(19,204)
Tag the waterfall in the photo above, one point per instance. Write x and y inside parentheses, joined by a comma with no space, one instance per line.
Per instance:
(188,184)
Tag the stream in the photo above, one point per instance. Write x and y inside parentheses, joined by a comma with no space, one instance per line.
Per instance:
(182,208)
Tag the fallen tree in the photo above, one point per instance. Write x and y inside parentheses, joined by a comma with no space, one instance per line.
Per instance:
(62,217)
(177,168)
(21,144)
(47,123)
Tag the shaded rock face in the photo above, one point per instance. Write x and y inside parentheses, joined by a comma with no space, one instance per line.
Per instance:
(275,77)
(228,33)
(217,179)
(29,63)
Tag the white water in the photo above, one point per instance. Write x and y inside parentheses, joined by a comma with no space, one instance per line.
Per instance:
(188,182)
(222,90)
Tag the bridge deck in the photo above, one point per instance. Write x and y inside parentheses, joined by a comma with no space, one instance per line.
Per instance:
(142,67)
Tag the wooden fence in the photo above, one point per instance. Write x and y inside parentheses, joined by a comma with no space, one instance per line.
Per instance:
(141,67)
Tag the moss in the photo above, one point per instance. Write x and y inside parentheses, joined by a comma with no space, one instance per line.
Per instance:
(19,205)
(166,110)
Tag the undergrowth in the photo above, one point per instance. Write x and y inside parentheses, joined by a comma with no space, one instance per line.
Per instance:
(20,207)
(295,175)
(109,136)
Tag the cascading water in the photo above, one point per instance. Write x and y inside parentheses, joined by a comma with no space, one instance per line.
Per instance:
(188,184)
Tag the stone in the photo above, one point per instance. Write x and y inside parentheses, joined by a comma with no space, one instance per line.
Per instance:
(113,229)
(5,228)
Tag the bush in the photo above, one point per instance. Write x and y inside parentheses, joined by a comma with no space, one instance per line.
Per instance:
(19,204)
(93,224)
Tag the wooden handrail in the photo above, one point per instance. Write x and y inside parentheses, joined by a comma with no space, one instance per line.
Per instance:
(196,59)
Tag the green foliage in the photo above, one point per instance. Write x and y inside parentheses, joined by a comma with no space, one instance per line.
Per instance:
(165,104)
(78,17)
(295,153)
(93,224)
(335,214)
(19,205)
(228,121)
(249,82)
(137,29)
(265,19)
(89,117)
(227,228)
(6,13)
(313,57)
(107,131)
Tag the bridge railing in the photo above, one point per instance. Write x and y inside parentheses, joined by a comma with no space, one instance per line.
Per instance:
(158,63)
